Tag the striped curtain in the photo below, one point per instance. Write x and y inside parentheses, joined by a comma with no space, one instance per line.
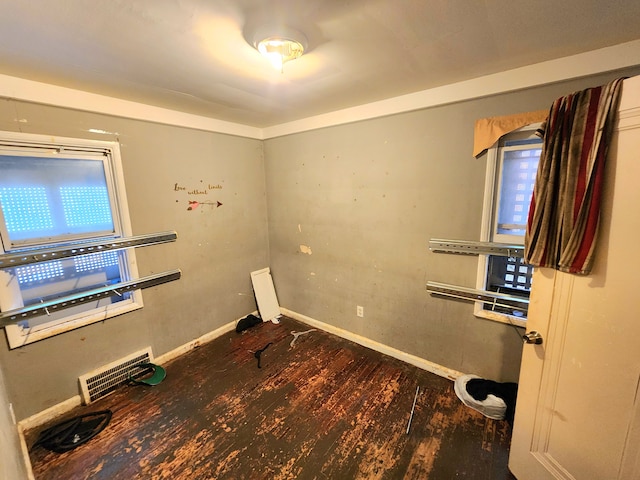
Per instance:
(565,208)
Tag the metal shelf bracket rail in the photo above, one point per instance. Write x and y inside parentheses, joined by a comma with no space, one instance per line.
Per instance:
(465,247)
(11,260)
(45,308)
(492,298)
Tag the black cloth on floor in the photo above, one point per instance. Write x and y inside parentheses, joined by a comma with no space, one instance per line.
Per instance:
(247,322)
(479,388)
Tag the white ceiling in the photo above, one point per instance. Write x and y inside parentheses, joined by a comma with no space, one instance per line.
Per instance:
(192,56)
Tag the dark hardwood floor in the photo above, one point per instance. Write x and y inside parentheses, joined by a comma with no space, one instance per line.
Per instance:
(324,408)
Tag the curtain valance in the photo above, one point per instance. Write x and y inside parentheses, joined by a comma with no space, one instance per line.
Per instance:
(487,131)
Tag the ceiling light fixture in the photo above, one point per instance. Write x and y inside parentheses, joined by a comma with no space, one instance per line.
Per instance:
(280,46)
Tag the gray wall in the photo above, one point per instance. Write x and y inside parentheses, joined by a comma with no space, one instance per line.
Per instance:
(365,198)
(216,250)
(12,465)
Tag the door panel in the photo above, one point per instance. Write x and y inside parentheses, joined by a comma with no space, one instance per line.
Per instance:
(577,414)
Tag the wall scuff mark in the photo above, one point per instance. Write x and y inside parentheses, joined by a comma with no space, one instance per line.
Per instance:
(305,249)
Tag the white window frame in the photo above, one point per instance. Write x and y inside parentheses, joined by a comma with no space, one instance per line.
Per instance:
(488,229)
(10,296)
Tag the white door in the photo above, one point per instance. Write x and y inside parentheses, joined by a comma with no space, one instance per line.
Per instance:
(578,409)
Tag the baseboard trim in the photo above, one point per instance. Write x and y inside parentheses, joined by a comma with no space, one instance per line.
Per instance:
(41,418)
(26,460)
(377,346)
(50,413)
(206,338)
(193,344)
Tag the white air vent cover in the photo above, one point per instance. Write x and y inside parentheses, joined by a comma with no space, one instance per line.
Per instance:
(106,379)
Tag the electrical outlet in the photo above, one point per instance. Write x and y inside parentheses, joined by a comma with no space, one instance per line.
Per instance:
(359,311)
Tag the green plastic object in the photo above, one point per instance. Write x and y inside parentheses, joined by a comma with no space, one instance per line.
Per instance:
(157,375)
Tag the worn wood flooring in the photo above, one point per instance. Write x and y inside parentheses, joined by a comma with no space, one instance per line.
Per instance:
(324,408)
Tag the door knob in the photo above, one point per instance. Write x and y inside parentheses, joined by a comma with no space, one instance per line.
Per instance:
(532,337)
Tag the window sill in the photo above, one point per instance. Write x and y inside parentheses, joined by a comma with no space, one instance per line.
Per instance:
(18,336)
(499,317)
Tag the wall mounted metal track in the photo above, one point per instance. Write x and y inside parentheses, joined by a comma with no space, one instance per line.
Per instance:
(484,296)
(45,308)
(11,260)
(465,247)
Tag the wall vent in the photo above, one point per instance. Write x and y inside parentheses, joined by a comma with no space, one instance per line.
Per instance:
(106,379)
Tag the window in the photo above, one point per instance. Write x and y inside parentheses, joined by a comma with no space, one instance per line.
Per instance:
(56,193)
(511,174)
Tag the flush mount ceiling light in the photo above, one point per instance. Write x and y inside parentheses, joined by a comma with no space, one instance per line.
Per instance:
(280,45)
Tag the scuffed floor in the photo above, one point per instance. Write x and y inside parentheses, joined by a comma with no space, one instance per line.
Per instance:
(324,408)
